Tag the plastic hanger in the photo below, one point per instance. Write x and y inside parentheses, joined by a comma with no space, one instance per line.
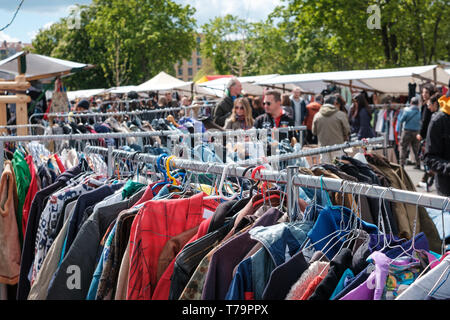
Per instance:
(221,195)
(174,181)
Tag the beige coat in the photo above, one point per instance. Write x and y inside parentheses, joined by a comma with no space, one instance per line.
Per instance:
(331,126)
(9,233)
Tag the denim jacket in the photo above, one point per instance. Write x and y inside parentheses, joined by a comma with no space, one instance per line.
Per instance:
(280,242)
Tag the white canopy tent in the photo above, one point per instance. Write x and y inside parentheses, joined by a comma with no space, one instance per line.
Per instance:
(389,81)
(122,90)
(164,82)
(248,84)
(39,67)
(84,94)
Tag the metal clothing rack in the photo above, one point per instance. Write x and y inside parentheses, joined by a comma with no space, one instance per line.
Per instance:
(121,135)
(28,126)
(315,151)
(291,178)
(78,137)
(389,105)
(102,114)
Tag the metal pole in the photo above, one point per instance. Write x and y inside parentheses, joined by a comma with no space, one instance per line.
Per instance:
(292,195)
(330,184)
(385,144)
(110,161)
(2,154)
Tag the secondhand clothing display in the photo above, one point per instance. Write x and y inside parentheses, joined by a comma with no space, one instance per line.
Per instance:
(157,239)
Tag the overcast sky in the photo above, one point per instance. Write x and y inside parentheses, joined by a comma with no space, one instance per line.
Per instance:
(36,14)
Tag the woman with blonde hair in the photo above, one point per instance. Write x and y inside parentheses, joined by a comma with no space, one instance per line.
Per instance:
(241,116)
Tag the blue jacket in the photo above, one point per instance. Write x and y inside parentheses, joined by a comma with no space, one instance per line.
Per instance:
(411,119)
(253,273)
(329,223)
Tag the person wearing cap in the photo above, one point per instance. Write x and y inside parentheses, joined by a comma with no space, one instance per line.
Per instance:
(409,123)
(82,106)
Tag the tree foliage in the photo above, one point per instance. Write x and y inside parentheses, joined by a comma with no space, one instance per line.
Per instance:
(329,35)
(132,40)
(128,41)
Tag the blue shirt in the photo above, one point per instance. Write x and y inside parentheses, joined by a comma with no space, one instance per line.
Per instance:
(411,119)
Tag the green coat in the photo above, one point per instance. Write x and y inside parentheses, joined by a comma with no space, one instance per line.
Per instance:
(23,181)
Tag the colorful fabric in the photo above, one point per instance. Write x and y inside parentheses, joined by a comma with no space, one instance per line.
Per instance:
(401,275)
(23,180)
(32,190)
(156,222)
(46,229)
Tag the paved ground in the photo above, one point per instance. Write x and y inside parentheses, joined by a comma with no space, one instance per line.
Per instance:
(416,177)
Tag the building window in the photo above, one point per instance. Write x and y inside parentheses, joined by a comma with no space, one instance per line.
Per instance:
(190,71)
(190,62)
(199,40)
(180,71)
(199,61)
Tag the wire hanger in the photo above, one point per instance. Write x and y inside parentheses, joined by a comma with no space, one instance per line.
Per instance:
(412,247)
(444,207)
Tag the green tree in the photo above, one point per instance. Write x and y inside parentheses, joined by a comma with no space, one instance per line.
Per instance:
(141,38)
(335,34)
(128,41)
(230,43)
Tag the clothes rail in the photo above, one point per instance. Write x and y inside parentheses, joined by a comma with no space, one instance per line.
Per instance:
(315,151)
(114,135)
(280,177)
(30,126)
(101,114)
(242,132)
(90,136)
(389,105)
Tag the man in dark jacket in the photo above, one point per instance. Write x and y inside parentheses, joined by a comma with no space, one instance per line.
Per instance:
(225,106)
(275,116)
(437,153)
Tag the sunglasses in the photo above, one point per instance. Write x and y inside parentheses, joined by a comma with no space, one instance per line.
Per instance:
(267,103)
(239,108)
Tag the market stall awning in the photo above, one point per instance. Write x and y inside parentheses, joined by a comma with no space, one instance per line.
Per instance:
(80,94)
(38,67)
(122,90)
(249,84)
(392,81)
(210,78)
(165,82)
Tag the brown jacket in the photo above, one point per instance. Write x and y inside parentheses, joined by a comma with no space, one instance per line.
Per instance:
(9,233)
(331,126)
(406,213)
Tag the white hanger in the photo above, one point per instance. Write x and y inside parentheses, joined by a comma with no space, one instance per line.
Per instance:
(221,195)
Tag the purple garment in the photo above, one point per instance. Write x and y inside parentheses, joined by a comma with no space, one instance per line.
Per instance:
(372,288)
(227,257)
(421,243)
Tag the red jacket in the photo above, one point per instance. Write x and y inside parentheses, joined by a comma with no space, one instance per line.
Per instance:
(32,190)
(155,223)
(162,290)
(311,110)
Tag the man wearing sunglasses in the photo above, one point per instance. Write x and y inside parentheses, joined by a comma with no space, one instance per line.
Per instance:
(275,116)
